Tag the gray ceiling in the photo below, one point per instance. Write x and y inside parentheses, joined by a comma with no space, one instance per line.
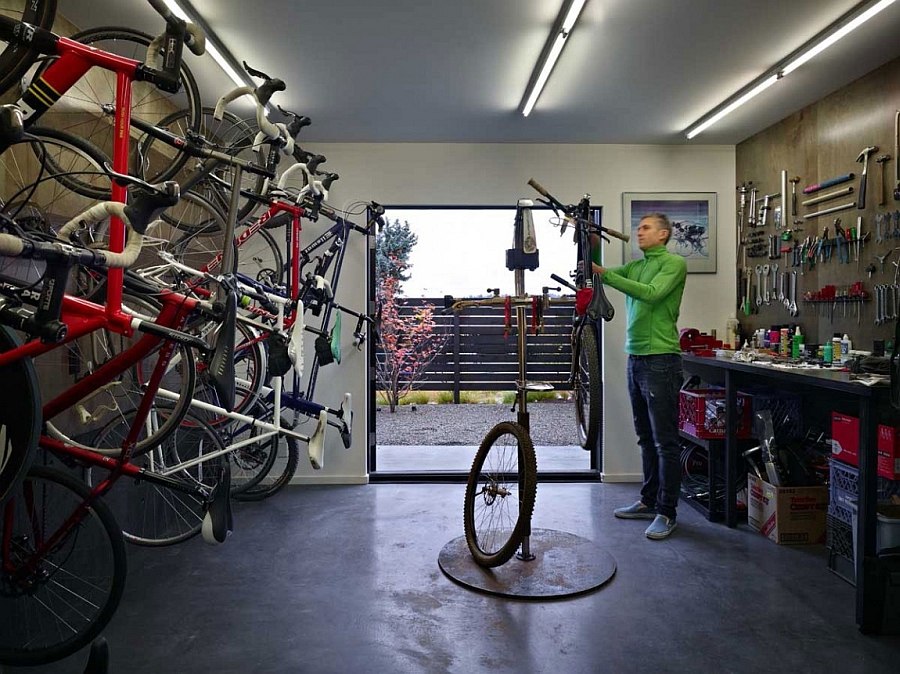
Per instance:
(634,71)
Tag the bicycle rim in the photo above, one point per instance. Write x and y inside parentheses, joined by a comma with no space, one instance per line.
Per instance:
(80,111)
(285,452)
(500,494)
(20,416)
(155,515)
(588,394)
(15,59)
(115,401)
(69,597)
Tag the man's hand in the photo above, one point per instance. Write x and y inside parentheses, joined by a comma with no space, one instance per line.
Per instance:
(597,269)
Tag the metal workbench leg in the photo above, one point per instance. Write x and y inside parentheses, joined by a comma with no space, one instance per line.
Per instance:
(868,599)
(731,415)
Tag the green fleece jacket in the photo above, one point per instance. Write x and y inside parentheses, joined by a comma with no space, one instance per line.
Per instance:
(653,287)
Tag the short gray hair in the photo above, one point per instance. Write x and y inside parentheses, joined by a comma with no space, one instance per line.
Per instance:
(662,222)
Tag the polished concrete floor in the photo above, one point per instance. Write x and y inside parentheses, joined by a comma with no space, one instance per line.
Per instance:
(345,579)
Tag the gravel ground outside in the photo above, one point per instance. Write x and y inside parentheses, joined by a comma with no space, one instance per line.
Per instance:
(552,423)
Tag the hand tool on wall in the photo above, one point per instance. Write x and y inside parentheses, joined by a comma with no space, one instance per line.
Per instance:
(759,299)
(837,180)
(897,154)
(864,159)
(879,226)
(882,258)
(871,269)
(751,215)
(882,200)
(895,218)
(829,195)
(748,307)
(784,198)
(774,269)
(794,181)
(859,235)
(793,307)
(833,209)
(765,279)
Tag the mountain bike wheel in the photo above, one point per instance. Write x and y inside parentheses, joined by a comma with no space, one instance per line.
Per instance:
(15,59)
(37,194)
(154,515)
(80,111)
(588,394)
(20,416)
(500,494)
(232,135)
(112,403)
(61,604)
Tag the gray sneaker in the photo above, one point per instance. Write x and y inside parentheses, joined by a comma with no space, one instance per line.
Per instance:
(661,527)
(636,511)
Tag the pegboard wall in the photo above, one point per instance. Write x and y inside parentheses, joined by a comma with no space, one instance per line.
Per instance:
(820,143)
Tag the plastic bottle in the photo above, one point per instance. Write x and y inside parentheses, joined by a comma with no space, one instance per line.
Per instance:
(797,343)
(785,341)
(732,331)
(836,348)
(846,345)
(827,352)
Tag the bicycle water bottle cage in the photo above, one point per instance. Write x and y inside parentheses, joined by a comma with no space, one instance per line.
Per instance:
(12,126)
(221,362)
(600,305)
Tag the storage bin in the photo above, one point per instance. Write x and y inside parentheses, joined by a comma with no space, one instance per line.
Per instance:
(701,413)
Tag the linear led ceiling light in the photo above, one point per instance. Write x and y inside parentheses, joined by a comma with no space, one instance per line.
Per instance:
(214,47)
(851,20)
(562,27)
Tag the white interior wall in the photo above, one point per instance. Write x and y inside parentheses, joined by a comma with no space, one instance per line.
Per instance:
(412,174)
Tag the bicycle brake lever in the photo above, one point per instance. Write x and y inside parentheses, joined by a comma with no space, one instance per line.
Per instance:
(254,72)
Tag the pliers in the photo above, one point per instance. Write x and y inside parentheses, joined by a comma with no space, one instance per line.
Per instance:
(843,245)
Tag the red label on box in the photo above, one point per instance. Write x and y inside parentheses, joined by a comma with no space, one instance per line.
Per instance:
(845,438)
(889,452)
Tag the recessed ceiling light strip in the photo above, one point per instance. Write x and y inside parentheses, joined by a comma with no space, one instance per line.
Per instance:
(847,23)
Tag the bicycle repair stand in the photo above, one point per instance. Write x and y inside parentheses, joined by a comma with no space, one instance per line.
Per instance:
(566,564)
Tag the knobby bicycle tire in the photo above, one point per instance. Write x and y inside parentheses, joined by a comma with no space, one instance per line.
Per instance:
(72,595)
(500,494)
(20,416)
(150,104)
(15,59)
(588,392)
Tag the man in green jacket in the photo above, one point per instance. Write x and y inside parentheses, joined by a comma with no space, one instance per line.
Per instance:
(653,287)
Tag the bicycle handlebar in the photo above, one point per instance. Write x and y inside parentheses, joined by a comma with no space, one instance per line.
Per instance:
(14,246)
(570,211)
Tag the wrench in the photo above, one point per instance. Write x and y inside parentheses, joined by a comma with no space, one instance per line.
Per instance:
(759,271)
(786,279)
(793,306)
(766,296)
(879,303)
(879,221)
(774,268)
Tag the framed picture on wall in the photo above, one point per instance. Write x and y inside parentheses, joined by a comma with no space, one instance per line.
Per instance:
(693,218)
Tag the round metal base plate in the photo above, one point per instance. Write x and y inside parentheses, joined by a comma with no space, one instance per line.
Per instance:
(564,565)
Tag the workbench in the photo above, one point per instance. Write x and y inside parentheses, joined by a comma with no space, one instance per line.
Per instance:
(828,386)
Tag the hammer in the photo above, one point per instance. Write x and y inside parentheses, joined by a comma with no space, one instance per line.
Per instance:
(864,158)
(882,200)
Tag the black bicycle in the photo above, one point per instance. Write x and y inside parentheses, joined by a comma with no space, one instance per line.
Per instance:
(591,304)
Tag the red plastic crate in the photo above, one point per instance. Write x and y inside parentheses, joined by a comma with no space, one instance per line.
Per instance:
(701,413)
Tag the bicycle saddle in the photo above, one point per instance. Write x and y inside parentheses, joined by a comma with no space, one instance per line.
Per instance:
(600,306)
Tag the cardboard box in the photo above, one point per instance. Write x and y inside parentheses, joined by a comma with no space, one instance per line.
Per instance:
(889,452)
(787,515)
(845,438)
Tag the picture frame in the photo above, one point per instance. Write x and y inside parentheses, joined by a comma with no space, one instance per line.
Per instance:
(693,218)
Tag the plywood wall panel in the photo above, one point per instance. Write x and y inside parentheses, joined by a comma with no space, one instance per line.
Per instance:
(818,143)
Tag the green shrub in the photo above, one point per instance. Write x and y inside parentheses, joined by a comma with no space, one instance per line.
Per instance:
(444,397)
(415,398)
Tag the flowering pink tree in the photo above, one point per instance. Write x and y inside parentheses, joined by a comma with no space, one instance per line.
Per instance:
(407,342)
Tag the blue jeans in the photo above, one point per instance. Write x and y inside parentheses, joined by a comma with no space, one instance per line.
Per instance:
(653,384)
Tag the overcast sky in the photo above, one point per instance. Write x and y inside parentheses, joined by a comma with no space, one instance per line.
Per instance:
(463,252)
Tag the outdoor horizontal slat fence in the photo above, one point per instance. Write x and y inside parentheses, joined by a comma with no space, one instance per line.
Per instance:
(478,355)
